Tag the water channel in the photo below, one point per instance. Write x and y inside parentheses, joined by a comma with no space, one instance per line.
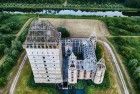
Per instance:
(76,13)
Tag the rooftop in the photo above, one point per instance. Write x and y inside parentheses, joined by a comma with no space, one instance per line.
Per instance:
(42,33)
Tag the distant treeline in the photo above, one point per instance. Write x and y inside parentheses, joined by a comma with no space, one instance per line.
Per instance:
(33,1)
(129,3)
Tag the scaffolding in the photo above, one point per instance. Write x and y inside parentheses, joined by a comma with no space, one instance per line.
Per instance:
(42,34)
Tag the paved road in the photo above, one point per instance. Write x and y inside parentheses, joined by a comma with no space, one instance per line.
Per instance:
(13,85)
(117,66)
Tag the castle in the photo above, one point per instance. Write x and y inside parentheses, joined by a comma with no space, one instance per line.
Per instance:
(56,60)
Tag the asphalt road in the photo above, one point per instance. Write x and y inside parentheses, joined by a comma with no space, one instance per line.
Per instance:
(13,85)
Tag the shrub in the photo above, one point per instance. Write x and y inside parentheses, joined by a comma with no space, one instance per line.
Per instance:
(2,48)
(64,32)
(99,51)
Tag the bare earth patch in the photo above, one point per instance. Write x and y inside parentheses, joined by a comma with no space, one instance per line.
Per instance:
(80,27)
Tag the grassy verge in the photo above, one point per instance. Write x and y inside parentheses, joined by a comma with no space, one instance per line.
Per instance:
(26,84)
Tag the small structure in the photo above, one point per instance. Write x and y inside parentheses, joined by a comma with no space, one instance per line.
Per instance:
(56,60)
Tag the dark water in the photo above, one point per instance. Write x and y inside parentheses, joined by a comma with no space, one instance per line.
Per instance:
(75,12)
(74,91)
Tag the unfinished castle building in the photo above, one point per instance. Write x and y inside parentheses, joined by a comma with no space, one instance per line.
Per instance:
(56,60)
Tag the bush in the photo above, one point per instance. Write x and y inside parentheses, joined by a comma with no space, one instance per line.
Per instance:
(2,48)
(64,32)
(5,29)
(2,81)
(99,51)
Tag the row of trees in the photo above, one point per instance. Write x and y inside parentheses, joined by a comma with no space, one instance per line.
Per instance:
(123,26)
(130,3)
(12,53)
(95,1)
(34,1)
(9,24)
(10,45)
(10,60)
(127,47)
(133,3)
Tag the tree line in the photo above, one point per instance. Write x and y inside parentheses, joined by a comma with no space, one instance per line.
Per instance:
(34,1)
(129,3)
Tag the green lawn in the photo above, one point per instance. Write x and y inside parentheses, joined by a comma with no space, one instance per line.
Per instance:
(23,87)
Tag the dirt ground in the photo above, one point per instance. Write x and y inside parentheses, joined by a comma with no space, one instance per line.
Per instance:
(80,27)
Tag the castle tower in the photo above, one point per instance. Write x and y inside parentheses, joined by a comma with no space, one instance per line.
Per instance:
(72,70)
(43,47)
(100,72)
(93,39)
(68,48)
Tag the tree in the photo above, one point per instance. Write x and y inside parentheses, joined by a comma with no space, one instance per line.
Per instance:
(5,29)
(8,63)
(64,32)
(133,63)
(2,81)
(133,3)
(137,73)
(2,48)
(6,50)
(16,45)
